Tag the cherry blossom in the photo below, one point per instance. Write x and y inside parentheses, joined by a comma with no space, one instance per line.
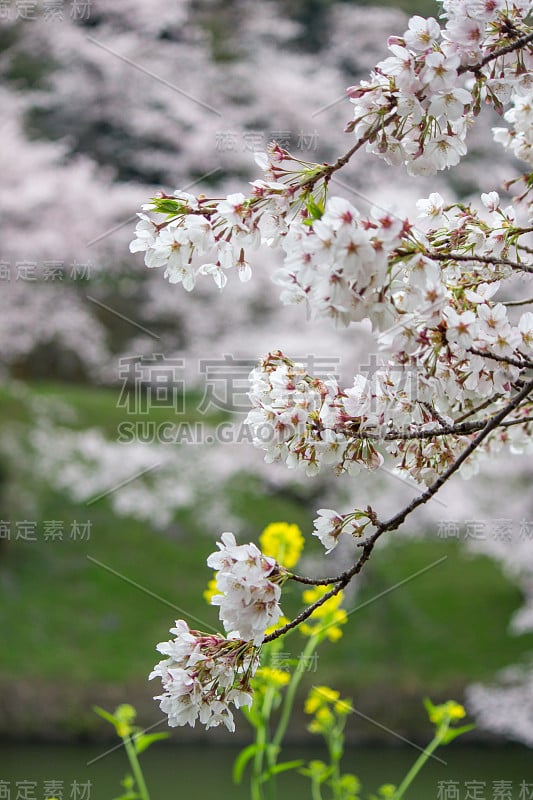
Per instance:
(249,589)
(202,676)
(449,384)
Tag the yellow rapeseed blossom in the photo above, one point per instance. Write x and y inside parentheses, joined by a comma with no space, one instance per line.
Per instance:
(319,697)
(328,616)
(211,591)
(283,542)
(326,706)
(272,677)
(451,710)
(323,719)
(342,707)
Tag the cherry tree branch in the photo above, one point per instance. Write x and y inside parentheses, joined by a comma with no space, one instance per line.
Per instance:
(478,408)
(494,260)
(461,429)
(392,524)
(524,363)
(327,170)
(515,303)
(519,44)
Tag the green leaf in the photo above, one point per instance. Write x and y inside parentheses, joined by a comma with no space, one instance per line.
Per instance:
(314,210)
(243,758)
(146,739)
(166,205)
(105,715)
(430,708)
(283,767)
(453,733)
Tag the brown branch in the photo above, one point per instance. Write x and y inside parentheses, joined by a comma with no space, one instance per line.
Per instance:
(435,414)
(514,303)
(398,519)
(523,41)
(524,363)
(496,261)
(478,408)
(457,429)
(327,170)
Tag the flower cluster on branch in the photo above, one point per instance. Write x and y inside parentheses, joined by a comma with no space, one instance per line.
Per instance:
(451,381)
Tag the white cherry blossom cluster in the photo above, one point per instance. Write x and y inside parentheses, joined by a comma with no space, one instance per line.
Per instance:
(419,103)
(460,228)
(449,282)
(184,244)
(202,236)
(425,461)
(329,525)
(474,356)
(311,424)
(475,25)
(519,137)
(487,328)
(202,676)
(468,321)
(207,236)
(338,263)
(453,352)
(249,589)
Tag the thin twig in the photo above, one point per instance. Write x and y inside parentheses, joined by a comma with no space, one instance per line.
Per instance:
(513,303)
(496,261)
(524,363)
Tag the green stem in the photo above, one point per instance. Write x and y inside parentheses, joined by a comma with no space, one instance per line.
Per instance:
(316,794)
(334,741)
(290,696)
(419,763)
(255,788)
(136,768)
(261,742)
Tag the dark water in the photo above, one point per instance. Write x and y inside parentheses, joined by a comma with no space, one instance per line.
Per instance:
(193,771)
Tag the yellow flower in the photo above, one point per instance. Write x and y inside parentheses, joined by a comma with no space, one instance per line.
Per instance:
(319,697)
(211,590)
(455,710)
(450,711)
(323,719)
(342,707)
(283,542)
(326,705)
(334,633)
(328,616)
(272,677)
